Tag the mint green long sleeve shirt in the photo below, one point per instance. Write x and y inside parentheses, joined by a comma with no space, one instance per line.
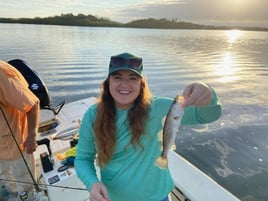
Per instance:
(131,174)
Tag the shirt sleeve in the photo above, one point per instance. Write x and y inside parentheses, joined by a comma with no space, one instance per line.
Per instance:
(15,92)
(86,151)
(203,115)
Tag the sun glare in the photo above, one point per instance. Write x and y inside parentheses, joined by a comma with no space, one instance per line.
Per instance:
(226,70)
(233,35)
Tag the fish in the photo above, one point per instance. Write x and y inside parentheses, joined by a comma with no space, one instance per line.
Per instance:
(171,126)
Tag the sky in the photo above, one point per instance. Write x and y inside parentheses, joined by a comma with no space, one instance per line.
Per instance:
(208,12)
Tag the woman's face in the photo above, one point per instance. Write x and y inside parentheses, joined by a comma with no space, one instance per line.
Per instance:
(125,87)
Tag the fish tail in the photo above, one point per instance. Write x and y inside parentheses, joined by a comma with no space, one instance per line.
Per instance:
(161,162)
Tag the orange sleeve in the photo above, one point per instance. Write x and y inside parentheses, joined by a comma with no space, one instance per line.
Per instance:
(14,89)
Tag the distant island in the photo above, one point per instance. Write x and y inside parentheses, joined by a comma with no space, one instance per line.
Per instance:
(90,20)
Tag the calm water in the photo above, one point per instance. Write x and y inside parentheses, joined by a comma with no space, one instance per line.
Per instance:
(233,150)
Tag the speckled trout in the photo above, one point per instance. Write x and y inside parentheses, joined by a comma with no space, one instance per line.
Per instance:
(171,126)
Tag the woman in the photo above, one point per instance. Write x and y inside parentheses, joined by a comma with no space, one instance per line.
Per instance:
(121,132)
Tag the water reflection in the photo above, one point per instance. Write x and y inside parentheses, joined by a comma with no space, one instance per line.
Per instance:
(233,35)
(232,150)
(225,69)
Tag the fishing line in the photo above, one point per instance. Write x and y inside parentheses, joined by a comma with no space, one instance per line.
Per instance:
(28,169)
(46,185)
(18,146)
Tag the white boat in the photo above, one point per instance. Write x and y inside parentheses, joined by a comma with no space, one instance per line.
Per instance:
(191,184)
(59,126)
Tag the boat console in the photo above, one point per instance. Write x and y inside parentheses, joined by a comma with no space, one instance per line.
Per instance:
(61,181)
(63,184)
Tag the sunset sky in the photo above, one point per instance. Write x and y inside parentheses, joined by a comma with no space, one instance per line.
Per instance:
(209,12)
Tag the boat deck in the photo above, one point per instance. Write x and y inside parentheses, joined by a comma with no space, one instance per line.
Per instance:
(190,182)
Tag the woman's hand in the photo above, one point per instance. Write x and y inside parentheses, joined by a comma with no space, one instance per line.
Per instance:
(197,94)
(98,192)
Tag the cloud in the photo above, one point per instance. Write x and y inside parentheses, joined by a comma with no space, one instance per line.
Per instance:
(205,11)
(226,12)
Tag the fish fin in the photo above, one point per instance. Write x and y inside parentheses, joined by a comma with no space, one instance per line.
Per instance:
(163,120)
(161,162)
(160,144)
(173,147)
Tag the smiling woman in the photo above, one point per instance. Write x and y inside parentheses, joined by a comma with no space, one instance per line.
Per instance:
(172,58)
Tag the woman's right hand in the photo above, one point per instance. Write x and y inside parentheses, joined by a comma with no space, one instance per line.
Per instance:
(98,192)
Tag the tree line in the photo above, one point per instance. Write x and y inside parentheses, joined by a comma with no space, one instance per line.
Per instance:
(90,20)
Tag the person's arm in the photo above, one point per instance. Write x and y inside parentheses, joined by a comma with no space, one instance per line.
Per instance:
(16,94)
(202,105)
(86,152)
(33,118)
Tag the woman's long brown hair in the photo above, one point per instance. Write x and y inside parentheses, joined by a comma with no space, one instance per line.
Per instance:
(104,125)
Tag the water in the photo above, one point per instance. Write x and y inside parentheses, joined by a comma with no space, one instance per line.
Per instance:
(73,61)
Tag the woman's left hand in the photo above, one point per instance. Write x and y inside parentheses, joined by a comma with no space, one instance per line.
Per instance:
(197,94)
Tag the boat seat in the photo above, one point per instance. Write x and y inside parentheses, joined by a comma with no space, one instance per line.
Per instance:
(48,120)
(48,117)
